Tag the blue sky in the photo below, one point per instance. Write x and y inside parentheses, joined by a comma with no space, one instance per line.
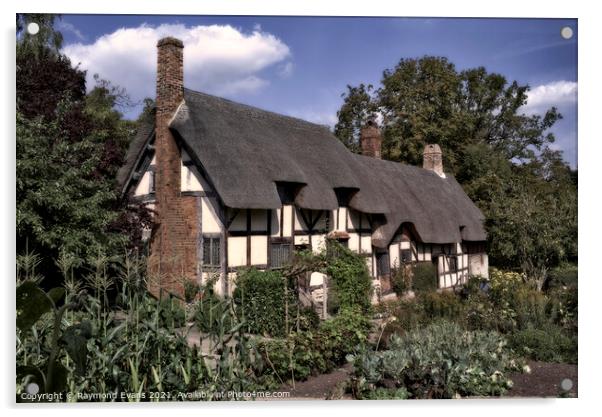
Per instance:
(300,65)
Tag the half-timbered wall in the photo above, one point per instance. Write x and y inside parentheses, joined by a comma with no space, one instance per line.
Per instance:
(455,262)
(245,236)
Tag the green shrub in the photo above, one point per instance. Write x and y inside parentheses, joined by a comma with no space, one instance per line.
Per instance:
(563,308)
(439,361)
(308,353)
(401,280)
(308,319)
(351,284)
(424,277)
(482,314)
(445,304)
(531,307)
(565,275)
(260,301)
(549,344)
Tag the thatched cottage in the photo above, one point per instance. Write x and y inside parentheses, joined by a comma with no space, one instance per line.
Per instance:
(236,186)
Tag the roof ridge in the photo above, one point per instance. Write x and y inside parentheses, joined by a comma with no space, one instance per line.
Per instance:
(258,112)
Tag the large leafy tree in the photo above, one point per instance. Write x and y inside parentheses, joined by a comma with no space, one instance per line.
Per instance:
(498,153)
(70,144)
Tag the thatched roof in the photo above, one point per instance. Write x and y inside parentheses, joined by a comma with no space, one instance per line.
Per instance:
(246,151)
(146,128)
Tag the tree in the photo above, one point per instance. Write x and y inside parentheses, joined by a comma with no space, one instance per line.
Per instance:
(70,145)
(500,155)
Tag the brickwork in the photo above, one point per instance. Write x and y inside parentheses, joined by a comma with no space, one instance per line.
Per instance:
(174,242)
(371,140)
(432,159)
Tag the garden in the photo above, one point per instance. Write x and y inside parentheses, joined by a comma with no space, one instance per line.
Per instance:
(102,337)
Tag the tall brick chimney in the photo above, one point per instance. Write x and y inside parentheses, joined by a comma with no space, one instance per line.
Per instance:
(174,240)
(432,159)
(370,140)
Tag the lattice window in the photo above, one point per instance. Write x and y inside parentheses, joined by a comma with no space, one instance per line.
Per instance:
(211,251)
(453,263)
(280,254)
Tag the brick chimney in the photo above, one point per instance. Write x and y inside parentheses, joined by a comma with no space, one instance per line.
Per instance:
(370,139)
(432,159)
(174,240)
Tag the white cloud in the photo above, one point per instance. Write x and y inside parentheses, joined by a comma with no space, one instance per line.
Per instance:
(556,93)
(218,59)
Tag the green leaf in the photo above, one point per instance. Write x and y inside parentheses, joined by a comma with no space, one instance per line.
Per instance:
(32,303)
(58,379)
(56,294)
(74,339)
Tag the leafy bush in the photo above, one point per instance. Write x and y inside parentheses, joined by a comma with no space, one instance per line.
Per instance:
(260,299)
(563,308)
(401,280)
(504,284)
(439,361)
(424,277)
(549,344)
(308,319)
(305,353)
(351,282)
(565,275)
(445,304)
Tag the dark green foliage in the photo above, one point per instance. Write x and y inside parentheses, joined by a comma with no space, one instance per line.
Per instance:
(442,305)
(262,298)
(565,275)
(32,303)
(308,319)
(439,361)
(357,109)
(548,343)
(191,289)
(213,313)
(88,349)
(313,352)
(74,340)
(500,155)
(351,284)
(171,313)
(540,325)
(49,373)
(68,149)
(424,277)
(401,279)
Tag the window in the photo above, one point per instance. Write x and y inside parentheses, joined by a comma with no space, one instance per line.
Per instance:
(280,254)
(406,256)
(151,182)
(211,251)
(453,263)
(382,263)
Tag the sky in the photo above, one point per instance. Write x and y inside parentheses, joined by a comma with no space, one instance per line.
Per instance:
(300,66)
